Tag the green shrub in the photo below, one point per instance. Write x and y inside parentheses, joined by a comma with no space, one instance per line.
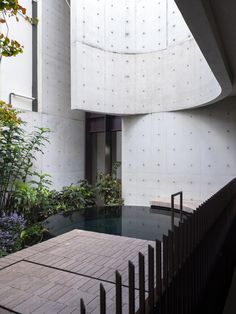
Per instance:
(72,197)
(31,199)
(18,150)
(109,187)
(32,235)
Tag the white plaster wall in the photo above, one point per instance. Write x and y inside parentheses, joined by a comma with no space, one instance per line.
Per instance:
(16,72)
(64,157)
(131,57)
(193,151)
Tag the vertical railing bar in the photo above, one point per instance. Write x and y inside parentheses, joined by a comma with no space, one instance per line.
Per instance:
(172,295)
(158,269)
(181,240)
(184,241)
(195,278)
(141,283)
(196,229)
(170,254)
(181,291)
(165,261)
(82,307)
(176,248)
(173,208)
(172,212)
(181,206)
(131,288)
(198,275)
(167,303)
(176,294)
(198,226)
(118,293)
(102,299)
(190,232)
(151,277)
(188,237)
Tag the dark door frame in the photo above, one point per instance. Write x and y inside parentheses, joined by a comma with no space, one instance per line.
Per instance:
(98,123)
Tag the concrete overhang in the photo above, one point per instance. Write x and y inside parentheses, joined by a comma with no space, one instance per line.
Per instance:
(204,26)
(142,58)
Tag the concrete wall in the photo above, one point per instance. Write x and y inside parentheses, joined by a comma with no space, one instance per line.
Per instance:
(126,59)
(131,57)
(64,157)
(193,151)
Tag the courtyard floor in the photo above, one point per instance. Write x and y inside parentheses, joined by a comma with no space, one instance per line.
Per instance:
(52,277)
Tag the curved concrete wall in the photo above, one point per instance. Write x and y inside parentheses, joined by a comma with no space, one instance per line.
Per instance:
(138,56)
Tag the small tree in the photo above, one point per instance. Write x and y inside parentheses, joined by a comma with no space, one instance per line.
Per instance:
(18,151)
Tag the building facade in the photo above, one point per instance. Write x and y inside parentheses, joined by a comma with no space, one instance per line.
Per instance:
(137,60)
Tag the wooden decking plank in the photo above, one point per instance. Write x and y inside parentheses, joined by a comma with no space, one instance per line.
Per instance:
(52,276)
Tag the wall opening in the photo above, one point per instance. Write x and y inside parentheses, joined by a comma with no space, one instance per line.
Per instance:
(103,144)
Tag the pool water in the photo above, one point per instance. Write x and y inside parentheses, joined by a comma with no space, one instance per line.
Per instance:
(130,221)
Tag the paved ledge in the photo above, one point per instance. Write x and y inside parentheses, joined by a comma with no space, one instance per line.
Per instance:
(52,276)
(188,206)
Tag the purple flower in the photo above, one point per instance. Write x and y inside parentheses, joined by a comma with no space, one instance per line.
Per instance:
(10,229)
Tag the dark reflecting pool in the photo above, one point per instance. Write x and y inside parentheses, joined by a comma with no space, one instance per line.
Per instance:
(130,221)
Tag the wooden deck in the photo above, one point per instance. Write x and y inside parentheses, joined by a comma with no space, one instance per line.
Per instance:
(52,276)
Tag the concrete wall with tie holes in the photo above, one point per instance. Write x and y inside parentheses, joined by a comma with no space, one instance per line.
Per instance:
(136,56)
(193,151)
(64,156)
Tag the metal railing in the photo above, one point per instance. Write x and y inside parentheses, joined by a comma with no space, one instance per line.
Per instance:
(20,96)
(179,266)
(180,194)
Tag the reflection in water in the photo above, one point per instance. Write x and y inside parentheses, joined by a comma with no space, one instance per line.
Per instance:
(130,221)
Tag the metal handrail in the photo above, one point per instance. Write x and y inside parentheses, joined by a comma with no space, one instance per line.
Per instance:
(173,208)
(18,95)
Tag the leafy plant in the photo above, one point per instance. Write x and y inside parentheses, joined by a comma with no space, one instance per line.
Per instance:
(9,47)
(18,151)
(87,193)
(11,8)
(56,204)
(8,115)
(31,199)
(10,229)
(32,235)
(73,197)
(109,187)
